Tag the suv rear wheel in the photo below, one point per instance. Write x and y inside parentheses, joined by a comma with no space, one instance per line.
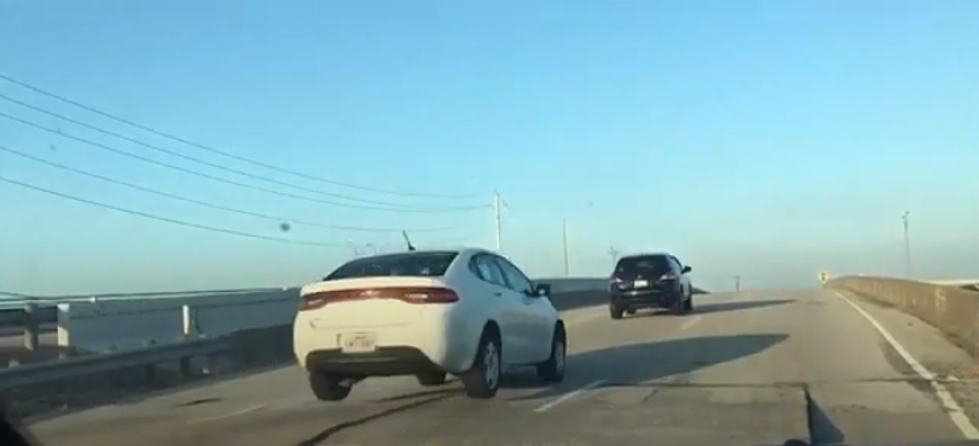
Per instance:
(615,311)
(329,387)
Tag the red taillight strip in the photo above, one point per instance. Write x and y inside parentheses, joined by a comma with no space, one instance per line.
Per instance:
(412,295)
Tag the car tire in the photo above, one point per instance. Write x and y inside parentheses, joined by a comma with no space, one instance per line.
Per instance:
(688,304)
(431,379)
(327,387)
(615,312)
(482,381)
(679,306)
(552,370)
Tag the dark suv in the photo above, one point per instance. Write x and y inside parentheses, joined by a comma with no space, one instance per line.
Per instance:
(656,280)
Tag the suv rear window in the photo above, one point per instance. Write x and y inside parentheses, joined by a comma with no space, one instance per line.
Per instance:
(424,264)
(646,266)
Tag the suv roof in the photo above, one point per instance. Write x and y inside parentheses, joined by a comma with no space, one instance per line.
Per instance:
(647,254)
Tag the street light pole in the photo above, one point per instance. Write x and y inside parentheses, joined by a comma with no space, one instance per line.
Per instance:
(907,244)
(737,283)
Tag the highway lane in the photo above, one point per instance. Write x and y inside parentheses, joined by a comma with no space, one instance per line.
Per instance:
(745,368)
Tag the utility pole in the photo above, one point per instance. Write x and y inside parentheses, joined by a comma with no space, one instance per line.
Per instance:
(614,254)
(497,215)
(498,204)
(564,236)
(907,244)
(737,283)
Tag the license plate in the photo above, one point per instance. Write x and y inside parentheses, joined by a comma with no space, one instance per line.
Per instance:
(641,283)
(358,342)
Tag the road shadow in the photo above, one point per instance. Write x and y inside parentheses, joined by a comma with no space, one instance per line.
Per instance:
(578,299)
(707,308)
(635,364)
(417,400)
(822,430)
(718,307)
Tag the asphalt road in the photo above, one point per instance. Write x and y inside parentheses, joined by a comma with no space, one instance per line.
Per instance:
(743,369)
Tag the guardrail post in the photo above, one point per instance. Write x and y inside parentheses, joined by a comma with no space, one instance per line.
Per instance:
(188,322)
(185,370)
(187,334)
(212,365)
(30,327)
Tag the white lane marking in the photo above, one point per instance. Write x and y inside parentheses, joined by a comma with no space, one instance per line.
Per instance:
(954,410)
(567,396)
(228,415)
(690,322)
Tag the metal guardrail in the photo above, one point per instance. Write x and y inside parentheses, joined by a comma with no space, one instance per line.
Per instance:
(46,372)
(56,381)
(18,301)
(44,301)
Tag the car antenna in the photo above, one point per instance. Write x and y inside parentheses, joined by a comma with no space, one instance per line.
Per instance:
(407,241)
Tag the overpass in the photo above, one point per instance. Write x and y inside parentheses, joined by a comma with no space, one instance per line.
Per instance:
(863,360)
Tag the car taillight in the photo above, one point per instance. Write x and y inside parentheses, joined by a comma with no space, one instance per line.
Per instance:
(413,295)
(430,296)
(668,276)
(312,302)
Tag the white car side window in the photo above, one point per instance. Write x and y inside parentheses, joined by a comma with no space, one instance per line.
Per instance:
(518,281)
(489,270)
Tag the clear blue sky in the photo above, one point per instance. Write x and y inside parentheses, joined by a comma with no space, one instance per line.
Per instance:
(768,139)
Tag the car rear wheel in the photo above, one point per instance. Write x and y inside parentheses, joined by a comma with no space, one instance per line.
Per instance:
(328,387)
(552,370)
(482,381)
(429,379)
(688,304)
(679,306)
(615,312)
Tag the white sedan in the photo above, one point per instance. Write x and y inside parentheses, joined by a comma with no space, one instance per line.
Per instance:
(469,313)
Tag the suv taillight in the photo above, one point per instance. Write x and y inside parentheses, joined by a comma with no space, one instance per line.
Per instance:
(412,295)
(668,276)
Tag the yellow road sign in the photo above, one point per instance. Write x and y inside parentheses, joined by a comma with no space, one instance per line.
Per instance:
(823,276)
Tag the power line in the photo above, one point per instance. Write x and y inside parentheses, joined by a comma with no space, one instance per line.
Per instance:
(192,158)
(172,137)
(220,179)
(166,219)
(200,202)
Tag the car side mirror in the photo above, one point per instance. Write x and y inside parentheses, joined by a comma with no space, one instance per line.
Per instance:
(542,290)
(687,269)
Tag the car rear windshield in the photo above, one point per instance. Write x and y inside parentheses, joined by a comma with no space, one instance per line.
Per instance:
(424,264)
(646,266)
